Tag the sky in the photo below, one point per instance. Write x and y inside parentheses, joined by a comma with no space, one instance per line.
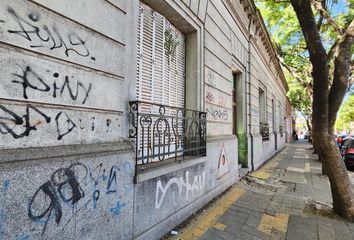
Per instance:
(340,7)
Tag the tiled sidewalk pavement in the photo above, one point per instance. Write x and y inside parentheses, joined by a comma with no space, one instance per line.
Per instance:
(279,201)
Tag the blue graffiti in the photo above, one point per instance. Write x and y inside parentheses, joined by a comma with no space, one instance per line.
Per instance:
(95,197)
(116,210)
(128,169)
(112,180)
(6,184)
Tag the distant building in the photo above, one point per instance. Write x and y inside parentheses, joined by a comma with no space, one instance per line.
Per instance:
(119,119)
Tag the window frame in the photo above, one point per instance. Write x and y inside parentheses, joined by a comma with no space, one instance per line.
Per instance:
(183,19)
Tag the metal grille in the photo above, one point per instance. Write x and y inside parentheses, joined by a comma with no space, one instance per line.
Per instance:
(166,132)
(264,130)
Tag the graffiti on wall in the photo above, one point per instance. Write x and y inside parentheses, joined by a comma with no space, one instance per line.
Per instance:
(31,80)
(254,110)
(210,97)
(20,123)
(223,165)
(78,187)
(216,113)
(211,79)
(184,185)
(219,100)
(40,35)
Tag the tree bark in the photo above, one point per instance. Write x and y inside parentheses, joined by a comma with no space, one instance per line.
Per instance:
(342,68)
(325,145)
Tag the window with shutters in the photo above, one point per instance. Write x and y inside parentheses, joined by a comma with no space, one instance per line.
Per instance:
(164,129)
(161,60)
(263,124)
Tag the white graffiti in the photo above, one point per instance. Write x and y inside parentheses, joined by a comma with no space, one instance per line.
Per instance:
(181,183)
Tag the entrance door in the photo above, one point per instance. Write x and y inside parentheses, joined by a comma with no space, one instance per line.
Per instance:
(234,107)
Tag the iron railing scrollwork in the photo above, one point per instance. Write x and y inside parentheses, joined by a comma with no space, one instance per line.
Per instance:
(162,132)
(264,130)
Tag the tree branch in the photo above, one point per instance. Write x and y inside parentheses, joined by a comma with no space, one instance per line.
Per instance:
(342,70)
(319,7)
(298,78)
(331,51)
(320,21)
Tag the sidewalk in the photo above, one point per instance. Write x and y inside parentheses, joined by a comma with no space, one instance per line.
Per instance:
(287,198)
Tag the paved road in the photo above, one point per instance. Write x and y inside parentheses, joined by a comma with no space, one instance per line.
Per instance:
(287,198)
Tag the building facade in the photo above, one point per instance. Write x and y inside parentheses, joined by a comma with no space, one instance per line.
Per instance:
(119,119)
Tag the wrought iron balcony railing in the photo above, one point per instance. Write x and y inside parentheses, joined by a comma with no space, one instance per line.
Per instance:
(264,130)
(163,132)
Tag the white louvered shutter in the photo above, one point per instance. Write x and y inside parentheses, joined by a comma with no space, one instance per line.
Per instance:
(160,77)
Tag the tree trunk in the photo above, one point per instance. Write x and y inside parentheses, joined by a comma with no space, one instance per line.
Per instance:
(342,69)
(342,194)
(340,184)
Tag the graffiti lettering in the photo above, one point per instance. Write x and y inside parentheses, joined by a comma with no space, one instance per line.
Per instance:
(210,97)
(108,123)
(49,37)
(116,210)
(29,79)
(211,79)
(219,100)
(218,114)
(26,82)
(78,84)
(66,186)
(112,181)
(10,122)
(56,189)
(64,124)
(21,126)
(181,184)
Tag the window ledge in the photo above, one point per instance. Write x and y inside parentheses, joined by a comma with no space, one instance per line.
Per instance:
(220,137)
(150,173)
(37,153)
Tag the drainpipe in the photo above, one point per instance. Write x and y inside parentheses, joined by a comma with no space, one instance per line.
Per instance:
(249,91)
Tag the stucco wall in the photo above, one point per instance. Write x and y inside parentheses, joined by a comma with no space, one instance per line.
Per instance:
(83,196)
(65,71)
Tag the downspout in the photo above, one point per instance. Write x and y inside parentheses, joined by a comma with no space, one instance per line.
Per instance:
(249,91)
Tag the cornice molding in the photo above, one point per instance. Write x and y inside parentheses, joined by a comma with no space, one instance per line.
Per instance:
(255,16)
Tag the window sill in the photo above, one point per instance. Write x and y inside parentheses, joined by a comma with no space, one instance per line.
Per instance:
(163,169)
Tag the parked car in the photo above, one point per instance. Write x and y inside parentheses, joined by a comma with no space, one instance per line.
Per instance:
(340,139)
(347,152)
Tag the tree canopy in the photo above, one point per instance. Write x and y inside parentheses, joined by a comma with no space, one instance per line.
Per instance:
(333,16)
(346,114)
